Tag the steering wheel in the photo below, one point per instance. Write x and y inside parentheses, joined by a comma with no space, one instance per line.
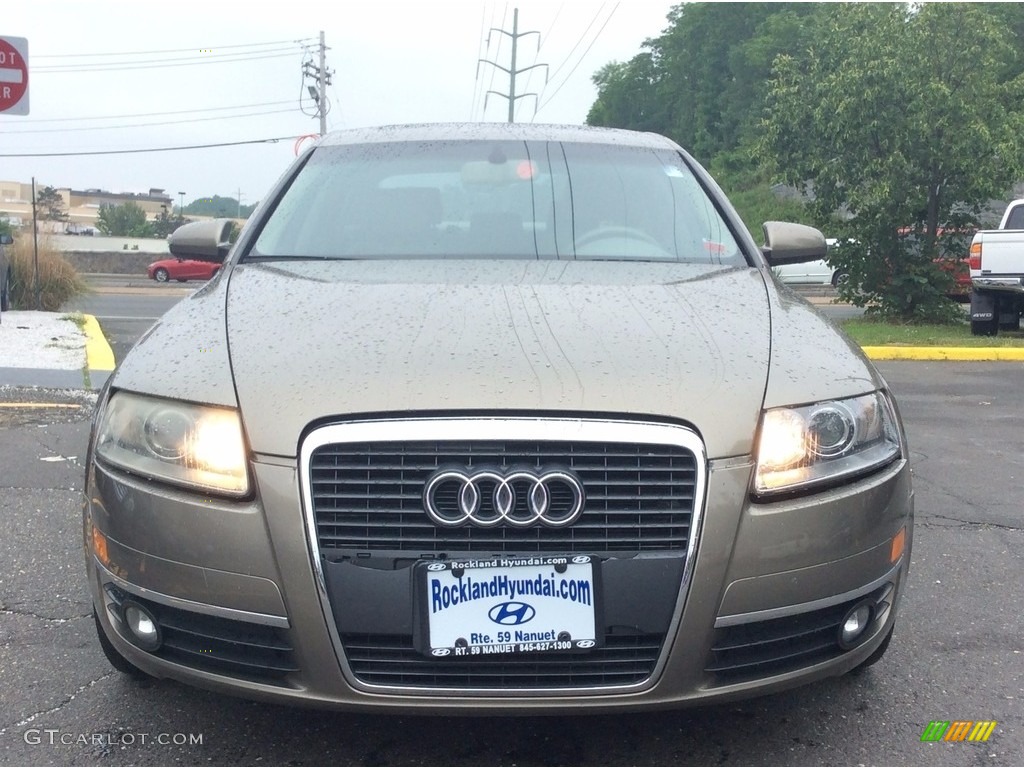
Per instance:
(614,232)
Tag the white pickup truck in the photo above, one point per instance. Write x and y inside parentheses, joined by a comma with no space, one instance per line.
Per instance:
(997,274)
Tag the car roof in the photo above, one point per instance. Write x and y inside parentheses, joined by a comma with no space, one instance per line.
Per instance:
(496,132)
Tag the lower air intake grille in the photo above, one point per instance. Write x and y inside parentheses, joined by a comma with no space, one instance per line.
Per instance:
(391,660)
(214,644)
(781,645)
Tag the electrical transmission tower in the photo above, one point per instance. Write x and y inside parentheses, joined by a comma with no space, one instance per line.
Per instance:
(322,76)
(515,34)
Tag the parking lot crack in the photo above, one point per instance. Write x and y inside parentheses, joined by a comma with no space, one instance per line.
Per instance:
(8,610)
(64,702)
(49,620)
(927,523)
(53,451)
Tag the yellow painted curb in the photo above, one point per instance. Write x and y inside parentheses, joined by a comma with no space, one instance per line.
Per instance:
(98,354)
(967,354)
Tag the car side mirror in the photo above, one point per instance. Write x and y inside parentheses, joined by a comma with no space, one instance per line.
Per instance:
(202,240)
(789,243)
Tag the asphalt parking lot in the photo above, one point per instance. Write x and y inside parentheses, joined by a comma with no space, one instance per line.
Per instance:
(958,652)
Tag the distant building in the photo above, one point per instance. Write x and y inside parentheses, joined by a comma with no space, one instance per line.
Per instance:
(82,206)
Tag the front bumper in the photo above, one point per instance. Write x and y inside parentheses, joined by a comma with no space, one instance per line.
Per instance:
(249,609)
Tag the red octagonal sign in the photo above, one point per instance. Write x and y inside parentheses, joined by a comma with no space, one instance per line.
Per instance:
(13,76)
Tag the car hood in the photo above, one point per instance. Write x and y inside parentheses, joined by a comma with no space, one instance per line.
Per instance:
(707,346)
(315,340)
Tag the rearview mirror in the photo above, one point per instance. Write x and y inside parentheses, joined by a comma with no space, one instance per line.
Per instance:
(202,240)
(788,243)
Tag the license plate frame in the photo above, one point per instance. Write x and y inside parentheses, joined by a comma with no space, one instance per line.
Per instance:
(472,608)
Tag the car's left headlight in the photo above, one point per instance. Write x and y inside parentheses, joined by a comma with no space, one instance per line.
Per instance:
(196,446)
(805,447)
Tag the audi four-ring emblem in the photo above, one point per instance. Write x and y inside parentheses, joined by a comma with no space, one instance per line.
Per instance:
(519,498)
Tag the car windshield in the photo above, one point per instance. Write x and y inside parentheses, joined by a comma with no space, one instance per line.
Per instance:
(496,200)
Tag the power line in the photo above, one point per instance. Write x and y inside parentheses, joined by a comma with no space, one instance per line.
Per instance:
(166,50)
(540,45)
(151,149)
(149,125)
(565,61)
(479,55)
(497,53)
(155,114)
(580,60)
(62,69)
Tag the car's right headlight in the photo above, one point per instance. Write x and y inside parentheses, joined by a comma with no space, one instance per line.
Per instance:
(197,446)
(803,447)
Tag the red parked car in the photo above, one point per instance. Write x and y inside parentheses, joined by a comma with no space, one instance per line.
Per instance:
(957,267)
(952,259)
(181,270)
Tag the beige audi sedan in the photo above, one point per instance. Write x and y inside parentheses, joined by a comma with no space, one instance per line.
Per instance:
(496,418)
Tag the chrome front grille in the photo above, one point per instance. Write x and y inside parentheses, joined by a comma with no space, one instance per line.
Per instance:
(363,486)
(368,496)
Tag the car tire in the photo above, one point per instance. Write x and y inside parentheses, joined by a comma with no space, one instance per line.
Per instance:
(985,327)
(117,661)
(161,275)
(876,655)
(839,278)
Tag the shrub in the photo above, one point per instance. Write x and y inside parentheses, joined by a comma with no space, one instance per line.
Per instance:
(58,280)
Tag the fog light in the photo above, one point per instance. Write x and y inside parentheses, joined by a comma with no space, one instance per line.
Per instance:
(855,625)
(143,629)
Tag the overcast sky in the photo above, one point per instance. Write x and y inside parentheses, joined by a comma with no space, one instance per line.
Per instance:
(393,62)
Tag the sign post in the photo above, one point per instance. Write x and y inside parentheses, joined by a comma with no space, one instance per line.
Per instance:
(13,75)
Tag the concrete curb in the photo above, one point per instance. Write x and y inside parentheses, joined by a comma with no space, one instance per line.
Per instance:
(46,378)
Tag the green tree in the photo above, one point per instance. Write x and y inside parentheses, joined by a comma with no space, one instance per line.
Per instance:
(50,205)
(127,220)
(5,227)
(219,207)
(902,118)
(628,96)
(165,223)
(703,81)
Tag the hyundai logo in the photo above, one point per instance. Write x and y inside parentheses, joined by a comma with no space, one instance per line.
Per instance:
(585,643)
(441,651)
(488,498)
(436,567)
(511,614)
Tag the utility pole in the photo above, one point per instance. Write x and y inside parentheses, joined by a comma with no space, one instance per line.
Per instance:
(239,215)
(35,247)
(515,34)
(323,78)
